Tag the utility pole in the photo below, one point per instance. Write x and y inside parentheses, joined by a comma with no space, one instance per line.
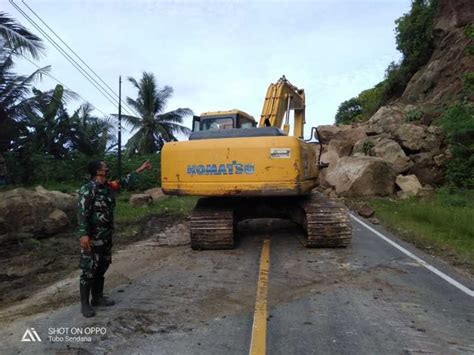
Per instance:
(119,157)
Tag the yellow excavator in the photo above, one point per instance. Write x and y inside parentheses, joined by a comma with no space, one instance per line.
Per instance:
(242,171)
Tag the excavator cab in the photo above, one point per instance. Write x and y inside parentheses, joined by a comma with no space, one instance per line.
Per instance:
(213,121)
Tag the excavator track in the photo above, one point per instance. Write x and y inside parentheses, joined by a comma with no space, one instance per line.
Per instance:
(212,225)
(326,222)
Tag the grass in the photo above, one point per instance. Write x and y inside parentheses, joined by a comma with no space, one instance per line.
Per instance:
(178,206)
(443,225)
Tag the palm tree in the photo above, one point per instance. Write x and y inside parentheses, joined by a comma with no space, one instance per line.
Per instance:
(153,126)
(93,135)
(14,40)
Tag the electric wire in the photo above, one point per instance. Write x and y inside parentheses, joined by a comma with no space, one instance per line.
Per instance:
(77,55)
(81,70)
(61,83)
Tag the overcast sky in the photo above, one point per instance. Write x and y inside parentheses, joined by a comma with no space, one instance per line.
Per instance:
(223,54)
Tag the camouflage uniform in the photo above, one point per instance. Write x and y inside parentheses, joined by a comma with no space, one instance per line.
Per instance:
(96,220)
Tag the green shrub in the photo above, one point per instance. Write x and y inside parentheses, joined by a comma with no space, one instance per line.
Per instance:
(348,111)
(458,125)
(367,146)
(413,115)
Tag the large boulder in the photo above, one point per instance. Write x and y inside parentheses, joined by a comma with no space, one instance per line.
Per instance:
(328,132)
(426,169)
(35,213)
(409,185)
(391,151)
(61,201)
(362,176)
(386,119)
(410,137)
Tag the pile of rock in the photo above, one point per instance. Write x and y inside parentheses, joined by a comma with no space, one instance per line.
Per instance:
(35,213)
(383,156)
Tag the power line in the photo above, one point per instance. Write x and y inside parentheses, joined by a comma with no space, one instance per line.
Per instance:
(81,70)
(77,55)
(61,51)
(59,81)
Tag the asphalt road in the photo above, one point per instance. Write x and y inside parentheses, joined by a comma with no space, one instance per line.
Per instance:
(366,299)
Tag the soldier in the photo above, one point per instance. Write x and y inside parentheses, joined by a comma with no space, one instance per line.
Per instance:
(96,225)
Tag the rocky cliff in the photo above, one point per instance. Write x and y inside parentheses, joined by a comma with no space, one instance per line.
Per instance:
(400,149)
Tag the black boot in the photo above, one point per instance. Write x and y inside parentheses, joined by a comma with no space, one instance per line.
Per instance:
(86,310)
(98,298)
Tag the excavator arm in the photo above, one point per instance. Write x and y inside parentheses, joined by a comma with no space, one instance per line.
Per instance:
(282,98)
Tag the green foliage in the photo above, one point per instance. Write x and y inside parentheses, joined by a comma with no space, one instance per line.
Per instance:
(347,111)
(370,101)
(414,34)
(458,125)
(61,174)
(178,206)
(367,146)
(413,115)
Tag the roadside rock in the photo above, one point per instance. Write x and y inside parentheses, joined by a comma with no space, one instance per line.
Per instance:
(409,185)
(410,137)
(362,176)
(141,200)
(374,220)
(328,132)
(365,211)
(62,201)
(56,222)
(386,119)
(426,170)
(391,151)
(155,193)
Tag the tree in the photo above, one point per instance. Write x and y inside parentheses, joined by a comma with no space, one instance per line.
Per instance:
(348,111)
(153,126)
(92,134)
(47,127)
(14,40)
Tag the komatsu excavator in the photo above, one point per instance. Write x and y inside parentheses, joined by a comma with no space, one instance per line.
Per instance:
(242,171)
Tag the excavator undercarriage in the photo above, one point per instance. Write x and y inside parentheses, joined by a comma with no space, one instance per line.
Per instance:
(325,222)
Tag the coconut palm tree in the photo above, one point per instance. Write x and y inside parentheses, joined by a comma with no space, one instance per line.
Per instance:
(15,40)
(153,126)
(93,135)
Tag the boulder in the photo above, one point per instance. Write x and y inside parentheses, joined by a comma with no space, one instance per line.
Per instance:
(155,193)
(62,201)
(25,210)
(362,176)
(425,169)
(392,152)
(365,211)
(328,132)
(141,200)
(56,222)
(386,119)
(410,136)
(409,185)
(342,148)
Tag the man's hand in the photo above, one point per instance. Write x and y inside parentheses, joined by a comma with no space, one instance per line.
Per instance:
(146,165)
(85,242)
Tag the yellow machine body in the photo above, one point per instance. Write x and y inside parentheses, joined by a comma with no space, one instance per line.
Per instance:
(241,166)
(247,160)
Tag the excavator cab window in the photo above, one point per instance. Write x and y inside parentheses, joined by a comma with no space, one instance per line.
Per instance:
(217,123)
(244,122)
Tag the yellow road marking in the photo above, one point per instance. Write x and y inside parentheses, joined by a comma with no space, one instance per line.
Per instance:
(259,328)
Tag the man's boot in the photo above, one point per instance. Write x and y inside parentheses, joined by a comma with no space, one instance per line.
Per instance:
(98,298)
(86,310)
